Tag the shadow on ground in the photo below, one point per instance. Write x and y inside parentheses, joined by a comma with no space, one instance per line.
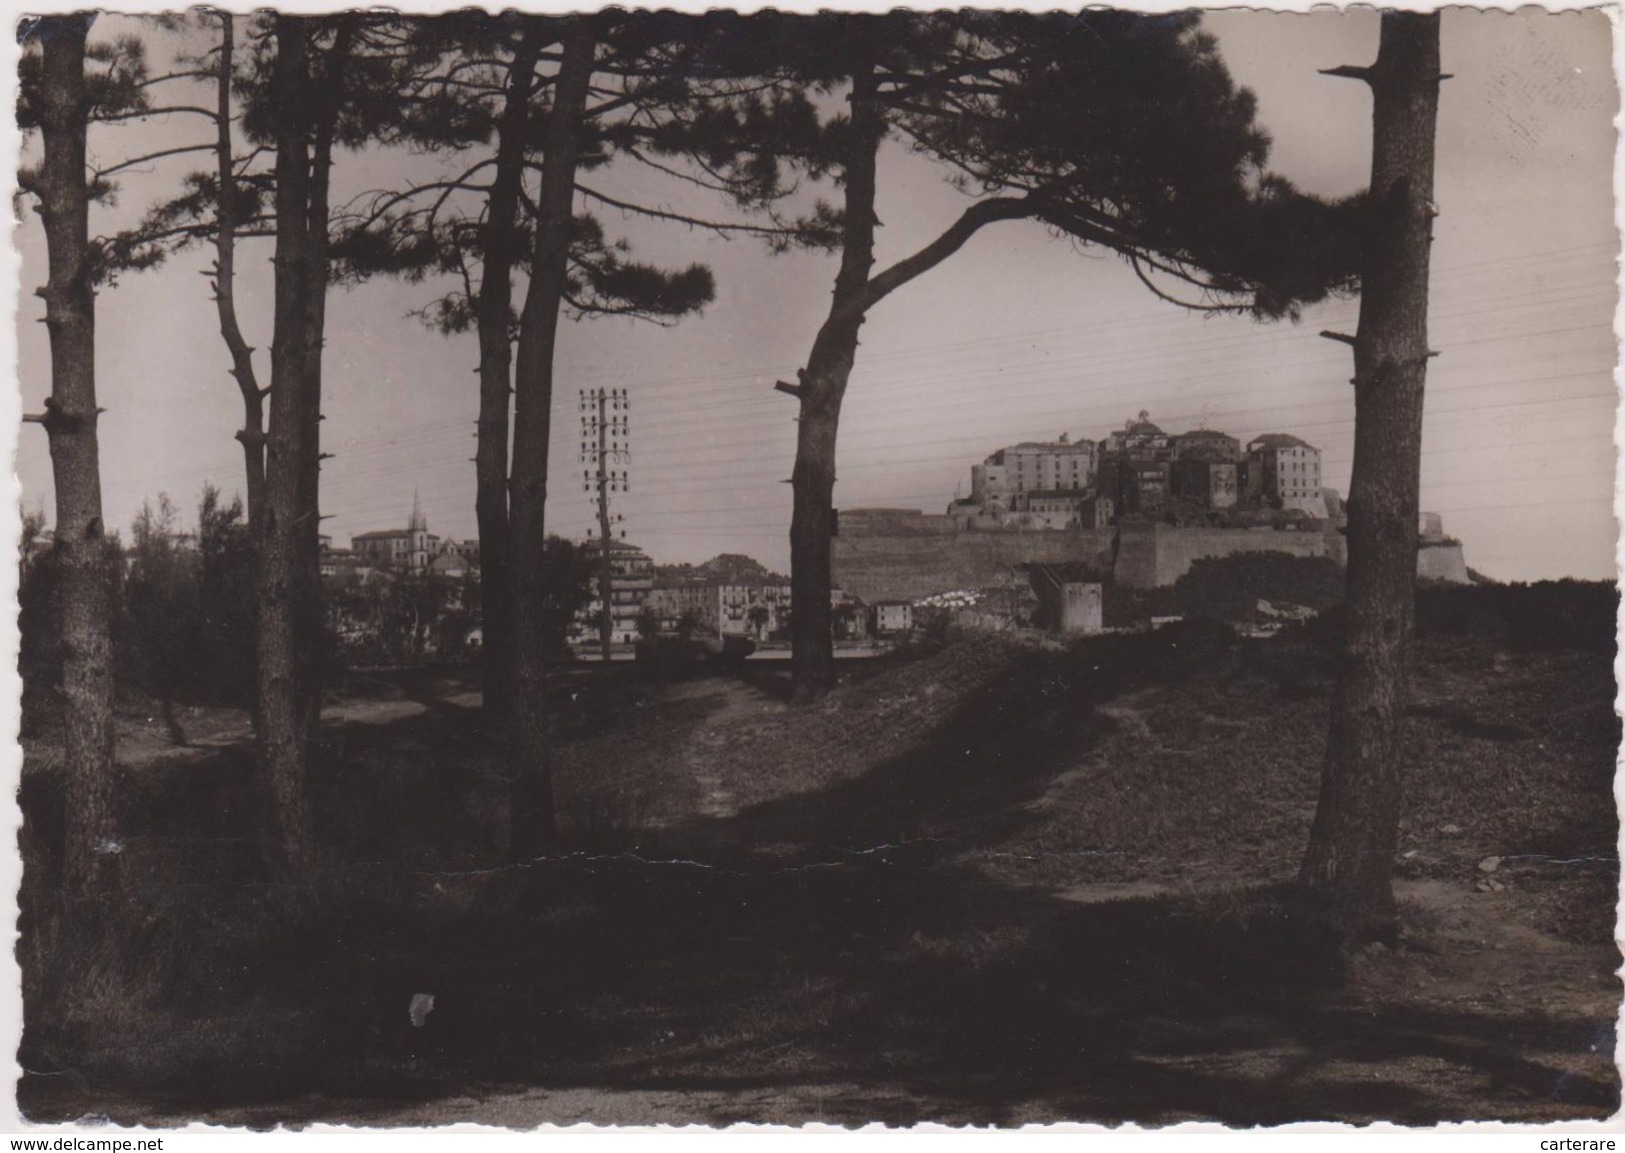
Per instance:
(733,969)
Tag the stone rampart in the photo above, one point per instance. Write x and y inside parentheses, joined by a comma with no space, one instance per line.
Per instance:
(907,558)
(902,554)
(1157,555)
(1442,562)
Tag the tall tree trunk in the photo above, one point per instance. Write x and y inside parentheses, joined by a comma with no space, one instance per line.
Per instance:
(824,380)
(309,632)
(252,434)
(495,305)
(822,388)
(287,722)
(532,818)
(1348,867)
(70,424)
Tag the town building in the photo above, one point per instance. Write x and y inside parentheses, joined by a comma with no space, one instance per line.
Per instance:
(413,549)
(1287,473)
(1207,444)
(1053,508)
(409,549)
(336,562)
(759,609)
(888,618)
(724,608)
(631,581)
(1138,439)
(1138,487)
(1197,476)
(1134,467)
(1000,483)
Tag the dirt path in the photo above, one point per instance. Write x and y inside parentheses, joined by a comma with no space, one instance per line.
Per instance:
(1069,936)
(741,706)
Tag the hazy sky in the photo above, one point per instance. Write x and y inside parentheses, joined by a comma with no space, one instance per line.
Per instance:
(1019,336)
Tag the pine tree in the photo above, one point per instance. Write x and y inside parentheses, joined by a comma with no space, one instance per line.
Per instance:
(60,101)
(306,87)
(1348,868)
(1112,129)
(524,96)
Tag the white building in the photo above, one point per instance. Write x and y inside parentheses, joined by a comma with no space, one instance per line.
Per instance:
(1000,483)
(1287,471)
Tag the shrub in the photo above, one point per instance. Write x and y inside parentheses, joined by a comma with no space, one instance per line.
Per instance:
(1543,617)
(1229,588)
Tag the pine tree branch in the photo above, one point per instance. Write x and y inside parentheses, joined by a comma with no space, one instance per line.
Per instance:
(193,74)
(1135,262)
(242,165)
(972,220)
(595,308)
(721,228)
(380,208)
(144,113)
(103,173)
(674,173)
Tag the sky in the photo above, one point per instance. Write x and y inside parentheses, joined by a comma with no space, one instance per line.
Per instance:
(1019,336)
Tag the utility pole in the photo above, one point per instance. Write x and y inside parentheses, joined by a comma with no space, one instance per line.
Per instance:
(606,426)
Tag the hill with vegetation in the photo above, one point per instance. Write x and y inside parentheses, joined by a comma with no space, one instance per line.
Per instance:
(986,881)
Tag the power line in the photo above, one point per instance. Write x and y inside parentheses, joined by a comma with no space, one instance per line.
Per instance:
(689,399)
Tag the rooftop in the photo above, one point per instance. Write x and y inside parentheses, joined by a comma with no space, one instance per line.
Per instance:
(621,547)
(1052,445)
(1204,433)
(1278,440)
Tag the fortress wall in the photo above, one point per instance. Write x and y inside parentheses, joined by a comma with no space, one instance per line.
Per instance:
(1177,550)
(908,564)
(871,522)
(901,555)
(1136,557)
(1156,555)
(1442,562)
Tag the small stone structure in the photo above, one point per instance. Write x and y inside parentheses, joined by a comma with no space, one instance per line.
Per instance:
(1066,606)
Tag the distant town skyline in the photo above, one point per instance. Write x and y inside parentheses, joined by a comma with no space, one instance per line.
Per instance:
(1020,336)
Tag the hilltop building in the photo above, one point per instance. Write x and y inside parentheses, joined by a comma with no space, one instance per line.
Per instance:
(1207,444)
(1002,483)
(1139,440)
(1140,472)
(1285,471)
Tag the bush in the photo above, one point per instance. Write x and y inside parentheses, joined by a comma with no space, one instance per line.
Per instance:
(1543,617)
(1123,607)
(1229,588)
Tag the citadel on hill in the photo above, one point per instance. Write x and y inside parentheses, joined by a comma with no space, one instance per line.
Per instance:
(1136,508)
(1203,476)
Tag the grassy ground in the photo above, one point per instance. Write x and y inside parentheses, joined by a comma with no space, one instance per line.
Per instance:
(984,882)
